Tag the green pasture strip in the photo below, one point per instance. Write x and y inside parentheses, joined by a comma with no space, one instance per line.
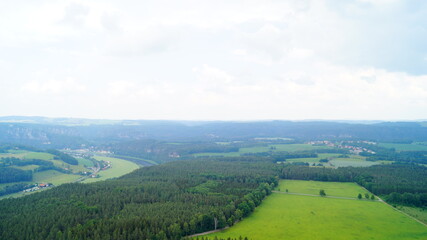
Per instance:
(291,217)
(418,213)
(119,168)
(338,189)
(27,167)
(55,177)
(404,147)
(38,155)
(258,149)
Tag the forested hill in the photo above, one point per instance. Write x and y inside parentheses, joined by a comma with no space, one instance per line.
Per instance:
(56,134)
(160,202)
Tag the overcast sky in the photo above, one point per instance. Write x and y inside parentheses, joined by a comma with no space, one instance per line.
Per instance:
(214,60)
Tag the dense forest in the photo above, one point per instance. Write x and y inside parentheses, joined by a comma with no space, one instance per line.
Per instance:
(160,202)
(181,198)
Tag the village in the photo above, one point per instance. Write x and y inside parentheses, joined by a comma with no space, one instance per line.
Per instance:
(344,145)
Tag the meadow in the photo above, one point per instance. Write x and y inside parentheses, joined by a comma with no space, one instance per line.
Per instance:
(405,147)
(272,147)
(119,167)
(335,161)
(55,177)
(338,189)
(286,216)
(418,213)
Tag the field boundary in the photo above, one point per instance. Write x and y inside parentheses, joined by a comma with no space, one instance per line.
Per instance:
(402,212)
(335,197)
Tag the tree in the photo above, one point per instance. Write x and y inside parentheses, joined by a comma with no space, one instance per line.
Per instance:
(359,196)
(322,192)
(366,195)
(286,190)
(372,197)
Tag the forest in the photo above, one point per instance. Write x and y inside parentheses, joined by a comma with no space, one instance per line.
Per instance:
(160,202)
(181,198)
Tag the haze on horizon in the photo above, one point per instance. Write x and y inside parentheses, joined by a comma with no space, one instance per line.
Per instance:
(214,60)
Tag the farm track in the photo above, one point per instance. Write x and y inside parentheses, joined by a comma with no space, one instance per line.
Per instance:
(205,233)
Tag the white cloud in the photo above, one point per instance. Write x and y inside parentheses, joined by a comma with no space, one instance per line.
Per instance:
(215,59)
(68,85)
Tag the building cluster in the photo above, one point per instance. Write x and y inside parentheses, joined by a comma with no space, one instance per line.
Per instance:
(345,145)
(38,186)
(107,165)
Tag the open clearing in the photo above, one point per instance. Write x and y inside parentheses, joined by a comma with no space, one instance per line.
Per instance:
(55,177)
(285,216)
(418,213)
(273,147)
(119,167)
(405,147)
(313,187)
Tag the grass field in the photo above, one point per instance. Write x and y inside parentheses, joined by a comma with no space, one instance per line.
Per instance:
(139,159)
(84,161)
(16,155)
(278,148)
(285,216)
(27,167)
(292,217)
(313,187)
(3,185)
(119,168)
(38,155)
(418,213)
(404,147)
(334,161)
(55,177)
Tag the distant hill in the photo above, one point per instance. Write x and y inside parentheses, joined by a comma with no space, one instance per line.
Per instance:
(68,132)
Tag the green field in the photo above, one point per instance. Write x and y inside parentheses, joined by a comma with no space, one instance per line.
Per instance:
(418,213)
(404,147)
(335,161)
(119,168)
(286,216)
(27,167)
(313,187)
(352,161)
(38,155)
(278,148)
(55,177)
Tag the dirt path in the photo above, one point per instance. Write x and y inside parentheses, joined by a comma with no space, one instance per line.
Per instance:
(401,211)
(208,232)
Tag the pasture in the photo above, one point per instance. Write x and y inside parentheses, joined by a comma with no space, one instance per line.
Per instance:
(336,161)
(119,167)
(272,147)
(418,213)
(286,216)
(55,177)
(405,147)
(338,189)
(38,155)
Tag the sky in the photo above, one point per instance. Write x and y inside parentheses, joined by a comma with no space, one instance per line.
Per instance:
(214,60)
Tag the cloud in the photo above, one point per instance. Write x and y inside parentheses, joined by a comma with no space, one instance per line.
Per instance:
(68,85)
(216,60)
